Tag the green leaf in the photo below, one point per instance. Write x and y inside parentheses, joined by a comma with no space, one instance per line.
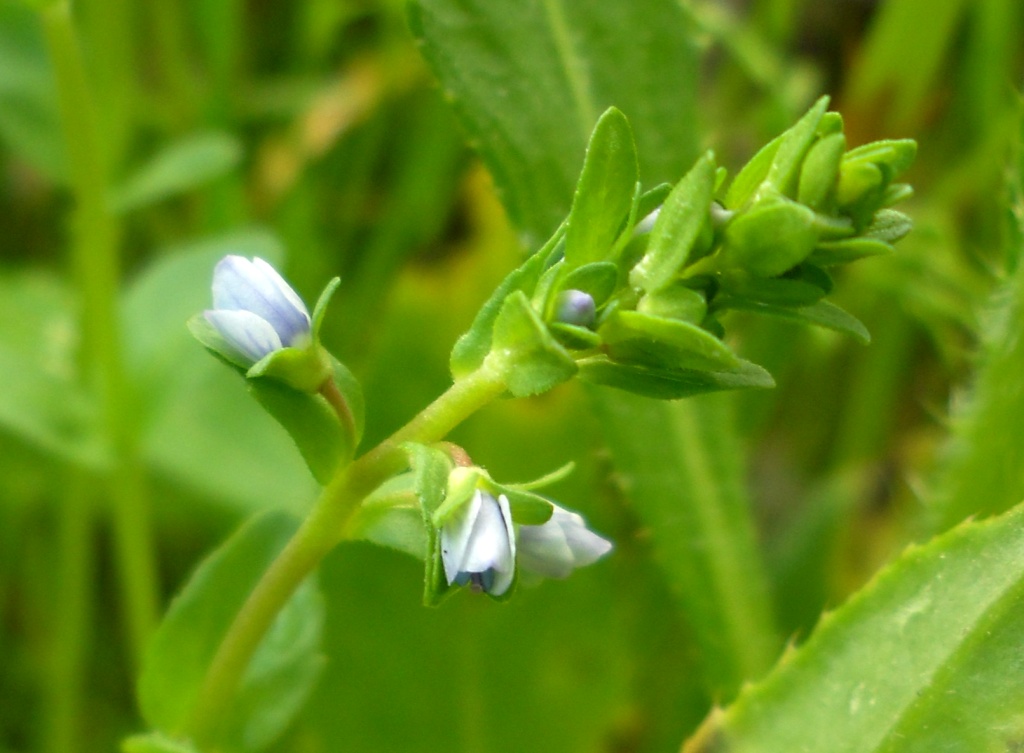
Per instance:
(895,154)
(655,341)
(752,175)
(785,170)
(527,508)
(889,226)
(683,215)
(820,170)
(532,361)
(821,314)
(311,422)
(767,240)
(431,469)
(982,469)
(285,665)
(604,193)
(924,658)
(779,291)
(842,252)
(671,384)
(687,486)
(557,66)
(598,279)
(474,345)
(178,168)
(676,301)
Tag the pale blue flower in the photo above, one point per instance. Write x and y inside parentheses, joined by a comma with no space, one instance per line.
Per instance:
(560,545)
(478,545)
(255,310)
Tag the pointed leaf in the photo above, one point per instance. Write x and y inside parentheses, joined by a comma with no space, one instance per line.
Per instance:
(604,193)
(671,384)
(679,224)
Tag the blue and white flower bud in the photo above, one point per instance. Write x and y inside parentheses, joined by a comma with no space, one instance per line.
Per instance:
(646,224)
(560,545)
(255,310)
(576,307)
(478,545)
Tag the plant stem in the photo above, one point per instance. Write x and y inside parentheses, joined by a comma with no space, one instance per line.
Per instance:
(96,268)
(320,532)
(72,615)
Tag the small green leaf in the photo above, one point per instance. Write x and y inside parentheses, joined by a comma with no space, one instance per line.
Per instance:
(671,384)
(532,360)
(180,167)
(820,170)
(924,658)
(598,280)
(747,181)
(574,337)
(897,154)
(474,345)
(895,193)
(676,301)
(320,309)
(431,468)
(312,424)
(527,508)
(889,226)
(547,479)
(770,239)
(604,193)
(780,291)
(304,369)
(635,337)
(842,252)
(857,179)
(284,667)
(679,224)
(821,314)
(785,170)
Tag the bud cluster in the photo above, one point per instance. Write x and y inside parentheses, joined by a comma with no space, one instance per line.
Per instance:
(630,290)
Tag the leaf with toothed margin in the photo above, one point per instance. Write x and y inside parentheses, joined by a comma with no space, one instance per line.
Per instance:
(924,658)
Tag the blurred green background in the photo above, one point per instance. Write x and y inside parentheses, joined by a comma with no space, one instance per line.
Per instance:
(313,134)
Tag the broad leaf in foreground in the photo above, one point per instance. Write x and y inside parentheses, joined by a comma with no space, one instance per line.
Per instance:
(925,658)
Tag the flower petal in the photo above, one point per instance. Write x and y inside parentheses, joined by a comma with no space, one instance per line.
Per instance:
(243,285)
(489,543)
(455,535)
(506,566)
(250,335)
(544,550)
(560,545)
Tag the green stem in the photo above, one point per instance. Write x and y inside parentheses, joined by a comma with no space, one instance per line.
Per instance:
(320,532)
(96,268)
(72,616)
